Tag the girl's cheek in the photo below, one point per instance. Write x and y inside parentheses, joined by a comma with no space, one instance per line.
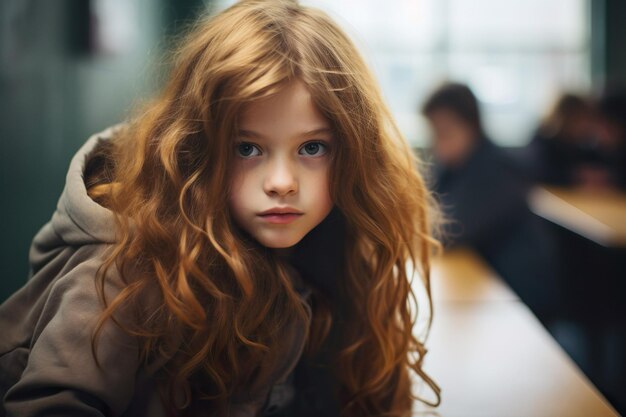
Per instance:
(238,180)
(242,168)
(318,163)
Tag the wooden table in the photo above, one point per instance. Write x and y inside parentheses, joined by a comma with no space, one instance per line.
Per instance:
(492,357)
(597,215)
(462,276)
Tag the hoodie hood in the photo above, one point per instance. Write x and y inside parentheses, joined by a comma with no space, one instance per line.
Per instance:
(78,220)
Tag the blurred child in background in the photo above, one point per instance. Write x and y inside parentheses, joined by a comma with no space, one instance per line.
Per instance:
(483,194)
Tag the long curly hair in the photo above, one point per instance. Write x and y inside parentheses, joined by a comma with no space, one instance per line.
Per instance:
(219,302)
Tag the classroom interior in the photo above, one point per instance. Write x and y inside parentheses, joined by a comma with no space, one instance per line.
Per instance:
(528,319)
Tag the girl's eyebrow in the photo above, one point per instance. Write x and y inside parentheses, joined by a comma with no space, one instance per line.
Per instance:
(317,131)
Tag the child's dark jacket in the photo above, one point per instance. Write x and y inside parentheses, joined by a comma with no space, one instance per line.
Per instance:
(46,362)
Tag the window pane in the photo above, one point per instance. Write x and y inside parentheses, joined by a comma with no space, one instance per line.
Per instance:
(543,24)
(515,54)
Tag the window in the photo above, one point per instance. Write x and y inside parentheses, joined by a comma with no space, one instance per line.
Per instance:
(516,55)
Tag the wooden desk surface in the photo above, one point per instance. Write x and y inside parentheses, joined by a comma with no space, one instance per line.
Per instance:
(491,356)
(494,359)
(597,215)
(462,276)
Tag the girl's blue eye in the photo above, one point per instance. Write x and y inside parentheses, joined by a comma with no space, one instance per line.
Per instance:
(247,150)
(313,149)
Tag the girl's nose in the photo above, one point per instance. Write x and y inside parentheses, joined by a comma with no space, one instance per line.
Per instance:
(281,178)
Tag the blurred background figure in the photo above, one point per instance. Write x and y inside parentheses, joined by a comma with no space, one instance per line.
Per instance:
(556,151)
(483,196)
(580,143)
(610,135)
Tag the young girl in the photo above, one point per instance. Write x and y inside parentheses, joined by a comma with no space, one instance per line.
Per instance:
(239,248)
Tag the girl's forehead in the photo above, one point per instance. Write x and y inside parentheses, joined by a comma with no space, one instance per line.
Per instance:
(291,107)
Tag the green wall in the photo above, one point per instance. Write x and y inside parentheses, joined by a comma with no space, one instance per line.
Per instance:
(55,91)
(615,38)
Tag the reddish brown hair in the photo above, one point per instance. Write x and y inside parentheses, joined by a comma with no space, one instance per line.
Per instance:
(222,302)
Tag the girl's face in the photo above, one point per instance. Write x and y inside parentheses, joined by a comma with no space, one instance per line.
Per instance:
(281,166)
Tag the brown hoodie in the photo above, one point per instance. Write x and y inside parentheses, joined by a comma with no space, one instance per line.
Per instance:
(46,363)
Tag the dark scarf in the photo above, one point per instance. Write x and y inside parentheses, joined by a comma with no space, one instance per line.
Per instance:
(319,258)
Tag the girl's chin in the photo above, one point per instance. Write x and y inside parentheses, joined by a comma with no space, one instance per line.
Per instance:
(280,244)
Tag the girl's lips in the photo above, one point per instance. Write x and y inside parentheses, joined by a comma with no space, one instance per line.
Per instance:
(280,218)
